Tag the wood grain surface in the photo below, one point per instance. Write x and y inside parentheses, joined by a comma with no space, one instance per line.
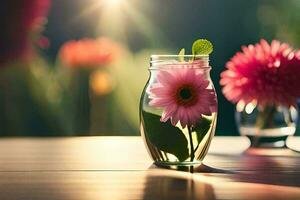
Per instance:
(120,168)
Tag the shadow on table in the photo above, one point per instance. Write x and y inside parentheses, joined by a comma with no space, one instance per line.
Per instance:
(198,169)
(171,186)
(265,166)
(270,166)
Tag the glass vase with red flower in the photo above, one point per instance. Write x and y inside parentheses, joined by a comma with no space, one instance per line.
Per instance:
(178,109)
(264,80)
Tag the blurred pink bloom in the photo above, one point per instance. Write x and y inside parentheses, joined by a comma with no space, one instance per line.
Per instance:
(264,73)
(184,96)
(89,53)
(19,21)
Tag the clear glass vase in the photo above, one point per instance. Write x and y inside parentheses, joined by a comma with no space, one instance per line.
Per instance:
(267,126)
(178,110)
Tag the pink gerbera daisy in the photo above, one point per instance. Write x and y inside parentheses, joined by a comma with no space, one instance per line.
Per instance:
(263,73)
(184,95)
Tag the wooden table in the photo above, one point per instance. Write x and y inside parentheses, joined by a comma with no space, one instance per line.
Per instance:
(119,168)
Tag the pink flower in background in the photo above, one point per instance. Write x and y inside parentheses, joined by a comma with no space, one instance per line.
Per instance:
(265,73)
(184,96)
(20,20)
(89,53)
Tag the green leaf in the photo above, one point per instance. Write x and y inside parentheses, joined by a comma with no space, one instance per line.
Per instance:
(202,128)
(165,136)
(181,55)
(202,47)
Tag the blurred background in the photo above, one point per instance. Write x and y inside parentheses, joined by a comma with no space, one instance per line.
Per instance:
(77,67)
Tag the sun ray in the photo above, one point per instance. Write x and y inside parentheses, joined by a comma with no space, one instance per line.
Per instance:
(144,25)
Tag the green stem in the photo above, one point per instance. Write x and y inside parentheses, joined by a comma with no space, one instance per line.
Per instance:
(191,144)
(265,117)
(197,147)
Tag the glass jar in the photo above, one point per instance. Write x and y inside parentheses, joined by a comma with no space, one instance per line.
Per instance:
(267,126)
(178,110)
